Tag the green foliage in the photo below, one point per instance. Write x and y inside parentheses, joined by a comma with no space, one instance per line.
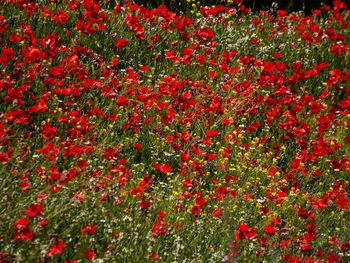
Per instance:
(188,134)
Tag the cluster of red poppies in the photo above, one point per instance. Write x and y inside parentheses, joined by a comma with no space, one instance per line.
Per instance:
(216,135)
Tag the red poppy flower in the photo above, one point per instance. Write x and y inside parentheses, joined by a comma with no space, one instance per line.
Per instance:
(56,248)
(121,43)
(196,210)
(137,146)
(4,157)
(145,204)
(281,13)
(89,254)
(49,131)
(143,68)
(159,227)
(89,229)
(122,101)
(162,214)
(25,186)
(270,230)
(163,168)
(34,210)
(43,222)
(61,17)
(245,232)
(200,201)
(254,41)
(15,37)
(212,133)
(22,223)
(277,55)
(217,212)
(211,156)
(154,256)
(185,157)
(7,55)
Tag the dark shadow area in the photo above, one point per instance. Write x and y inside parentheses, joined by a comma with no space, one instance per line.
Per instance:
(255,5)
(293,5)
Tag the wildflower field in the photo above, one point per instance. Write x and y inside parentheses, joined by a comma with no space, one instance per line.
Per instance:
(137,135)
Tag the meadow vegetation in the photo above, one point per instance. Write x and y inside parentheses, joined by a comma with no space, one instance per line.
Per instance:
(138,135)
